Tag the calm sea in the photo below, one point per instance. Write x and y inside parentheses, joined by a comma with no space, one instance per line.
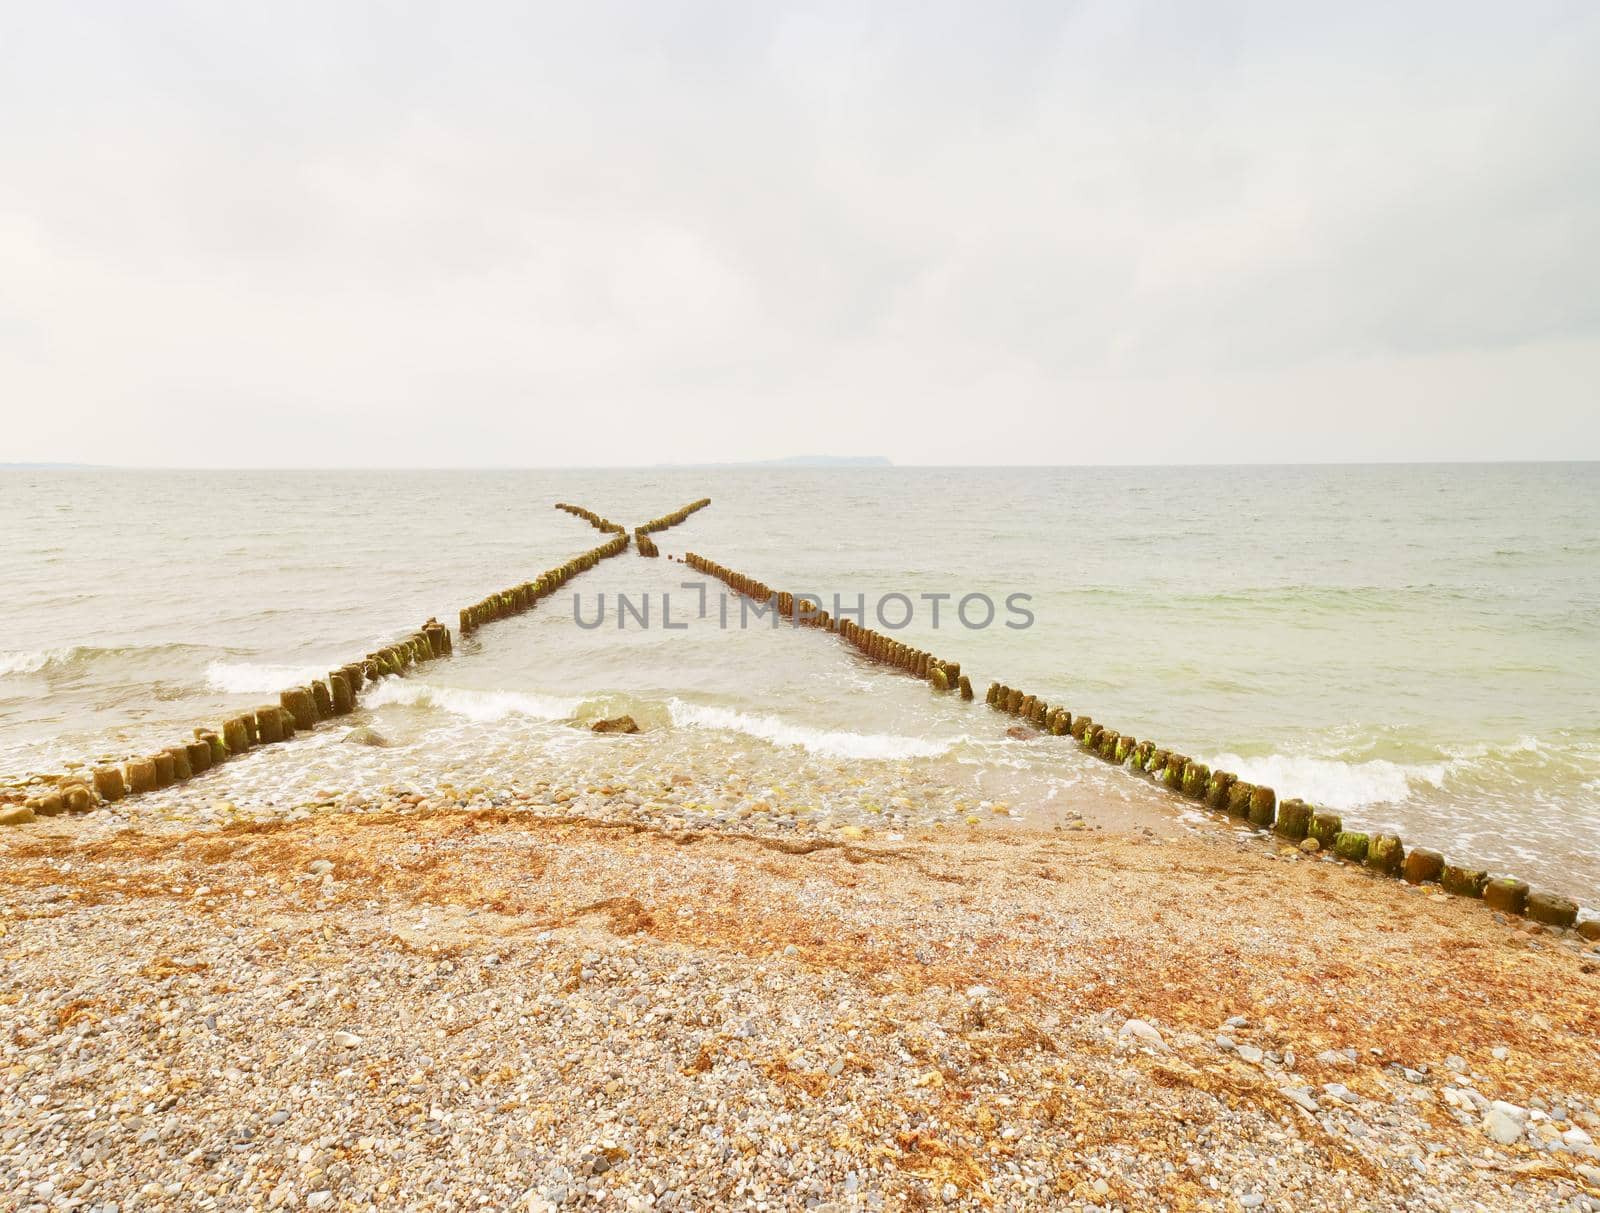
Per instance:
(1416,646)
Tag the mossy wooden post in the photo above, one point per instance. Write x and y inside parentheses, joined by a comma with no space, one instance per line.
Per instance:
(1156,762)
(219,749)
(1263,807)
(1141,754)
(1172,773)
(1195,775)
(1423,866)
(1220,792)
(1325,827)
(994,690)
(181,769)
(1040,710)
(1386,854)
(937,678)
(141,775)
(269,724)
(1552,909)
(1107,749)
(1063,723)
(298,703)
(1125,747)
(166,771)
(286,723)
(108,783)
(323,698)
(1351,846)
(352,675)
(1463,881)
(1294,820)
(79,799)
(1091,738)
(1506,894)
(966,688)
(234,736)
(1013,700)
(339,687)
(199,756)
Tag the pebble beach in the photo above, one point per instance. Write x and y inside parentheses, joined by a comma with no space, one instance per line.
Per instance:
(677,990)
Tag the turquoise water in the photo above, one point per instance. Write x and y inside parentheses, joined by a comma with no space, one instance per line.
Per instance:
(1413,645)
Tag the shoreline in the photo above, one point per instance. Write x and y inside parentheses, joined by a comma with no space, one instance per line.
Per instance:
(544,1002)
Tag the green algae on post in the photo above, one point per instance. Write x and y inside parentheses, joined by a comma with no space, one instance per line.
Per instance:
(1294,820)
(1386,853)
(1463,881)
(1351,846)
(1506,894)
(1325,827)
(1263,807)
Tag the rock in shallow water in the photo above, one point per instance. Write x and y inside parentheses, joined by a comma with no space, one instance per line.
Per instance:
(615,724)
(365,736)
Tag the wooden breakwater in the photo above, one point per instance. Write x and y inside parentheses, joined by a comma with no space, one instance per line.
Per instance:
(941,674)
(1311,828)
(298,709)
(522,598)
(674,518)
(598,522)
(642,542)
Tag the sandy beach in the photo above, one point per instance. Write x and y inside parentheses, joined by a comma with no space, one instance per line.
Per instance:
(575,997)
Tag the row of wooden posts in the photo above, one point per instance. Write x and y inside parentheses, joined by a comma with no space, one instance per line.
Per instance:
(674,518)
(1294,820)
(298,708)
(941,674)
(523,597)
(595,520)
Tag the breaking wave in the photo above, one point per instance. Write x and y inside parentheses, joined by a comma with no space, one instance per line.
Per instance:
(834,744)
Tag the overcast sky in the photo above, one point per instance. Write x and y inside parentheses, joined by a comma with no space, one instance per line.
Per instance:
(588,233)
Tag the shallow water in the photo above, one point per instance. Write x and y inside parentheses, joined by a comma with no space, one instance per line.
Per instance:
(1414,646)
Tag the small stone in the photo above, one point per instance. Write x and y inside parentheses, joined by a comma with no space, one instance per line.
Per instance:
(1300,1096)
(1141,1032)
(1251,1054)
(1502,1127)
(949,1193)
(319,867)
(346,1040)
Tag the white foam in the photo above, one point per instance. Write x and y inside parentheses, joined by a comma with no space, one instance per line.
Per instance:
(23,661)
(482,706)
(833,744)
(1330,782)
(244,677)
